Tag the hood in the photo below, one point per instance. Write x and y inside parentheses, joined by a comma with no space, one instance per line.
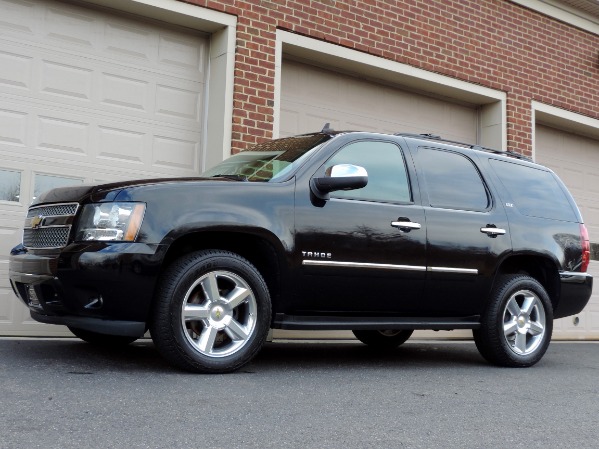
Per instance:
(107,192)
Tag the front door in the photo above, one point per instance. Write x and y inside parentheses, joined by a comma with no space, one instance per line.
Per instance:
(362,251)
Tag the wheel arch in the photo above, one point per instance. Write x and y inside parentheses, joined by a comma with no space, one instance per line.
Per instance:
(539,267)
(261,251)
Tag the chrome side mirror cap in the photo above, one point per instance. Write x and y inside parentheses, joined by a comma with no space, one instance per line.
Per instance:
(339,177)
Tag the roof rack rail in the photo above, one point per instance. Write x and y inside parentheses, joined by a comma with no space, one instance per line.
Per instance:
(424,135)
(437,138)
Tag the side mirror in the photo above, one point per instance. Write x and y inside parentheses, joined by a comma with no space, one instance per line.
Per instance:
(339,177)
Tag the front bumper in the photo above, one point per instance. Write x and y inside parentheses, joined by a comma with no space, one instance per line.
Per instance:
(100,287)
(576,290)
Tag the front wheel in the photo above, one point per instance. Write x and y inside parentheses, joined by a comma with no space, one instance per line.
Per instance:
(383,339)
(212,312)
(517,324)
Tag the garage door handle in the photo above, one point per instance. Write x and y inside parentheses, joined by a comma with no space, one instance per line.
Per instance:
(492,232)
(405,225)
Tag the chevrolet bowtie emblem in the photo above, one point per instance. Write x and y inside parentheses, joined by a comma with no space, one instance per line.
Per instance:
(36,222)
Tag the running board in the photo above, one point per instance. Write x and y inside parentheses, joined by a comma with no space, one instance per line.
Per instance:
(301,322)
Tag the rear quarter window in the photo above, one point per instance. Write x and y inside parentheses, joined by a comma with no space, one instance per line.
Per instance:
(535,192)
(452,181)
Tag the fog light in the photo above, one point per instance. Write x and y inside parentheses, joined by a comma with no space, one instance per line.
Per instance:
(32,296)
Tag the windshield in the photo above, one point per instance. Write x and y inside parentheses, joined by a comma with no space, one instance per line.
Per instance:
(269,161)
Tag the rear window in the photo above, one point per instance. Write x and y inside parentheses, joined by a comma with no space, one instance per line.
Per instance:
(535,192)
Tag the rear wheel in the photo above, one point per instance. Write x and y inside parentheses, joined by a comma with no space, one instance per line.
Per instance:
(101,339)
(212,312)
(517,325)
(383,338)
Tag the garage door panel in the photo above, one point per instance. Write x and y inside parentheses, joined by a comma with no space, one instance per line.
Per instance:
(312,96)
(18,16)
(122,91)
(289,122)
(171,152)
(105,89)
(15,70)
(181,54)
(123,145)
(62,135)
(13,127)
(319,84)
(124,41)
(70,25)
(66,80)
(81,137)
(357,99)
(73,28)
(177,101)
(171,91)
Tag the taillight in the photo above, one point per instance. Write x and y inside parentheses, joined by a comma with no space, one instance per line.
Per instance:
(586,248)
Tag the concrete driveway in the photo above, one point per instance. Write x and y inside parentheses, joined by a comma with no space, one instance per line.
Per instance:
(63,393)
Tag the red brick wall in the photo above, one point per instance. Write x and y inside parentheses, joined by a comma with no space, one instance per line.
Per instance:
(494,43)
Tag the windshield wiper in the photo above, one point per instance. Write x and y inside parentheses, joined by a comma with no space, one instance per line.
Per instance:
(233,177)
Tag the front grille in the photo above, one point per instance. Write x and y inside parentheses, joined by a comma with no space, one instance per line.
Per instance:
(56,237)
(49,226)
(49,211)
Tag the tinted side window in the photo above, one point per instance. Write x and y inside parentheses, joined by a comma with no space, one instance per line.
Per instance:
(535,192)
(387,175)
(452,181)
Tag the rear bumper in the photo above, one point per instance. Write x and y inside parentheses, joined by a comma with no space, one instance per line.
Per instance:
(576,289)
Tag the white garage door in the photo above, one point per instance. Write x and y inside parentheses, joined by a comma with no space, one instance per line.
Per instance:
(576,161)
(88,95)
(311,97)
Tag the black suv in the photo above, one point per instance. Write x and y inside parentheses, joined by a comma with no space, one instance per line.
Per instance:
(380,234)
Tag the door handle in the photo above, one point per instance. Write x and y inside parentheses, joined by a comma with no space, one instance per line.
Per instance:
(492,231)
(405,225)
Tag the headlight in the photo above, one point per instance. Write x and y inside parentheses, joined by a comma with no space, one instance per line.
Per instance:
(110,221)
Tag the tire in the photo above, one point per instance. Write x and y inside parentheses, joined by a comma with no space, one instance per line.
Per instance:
(383,339)
(516,327)
(97,339)
(212,312)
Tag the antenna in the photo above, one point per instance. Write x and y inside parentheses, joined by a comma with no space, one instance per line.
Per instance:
(327,128)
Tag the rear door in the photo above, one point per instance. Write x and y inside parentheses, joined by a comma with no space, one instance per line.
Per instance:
(467,232)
